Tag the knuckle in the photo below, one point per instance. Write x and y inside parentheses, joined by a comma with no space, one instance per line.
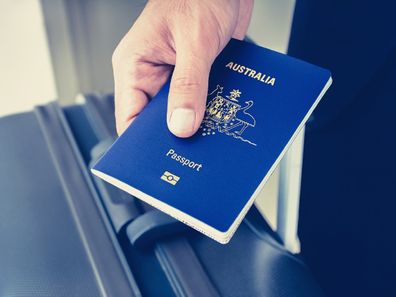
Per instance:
(185,84)
(134,75)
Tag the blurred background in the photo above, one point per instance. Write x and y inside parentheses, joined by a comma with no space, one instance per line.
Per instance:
(57,49)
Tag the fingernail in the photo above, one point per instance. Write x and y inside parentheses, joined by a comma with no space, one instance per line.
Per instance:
(182,121)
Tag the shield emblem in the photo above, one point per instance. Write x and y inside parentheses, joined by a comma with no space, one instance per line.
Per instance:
(221,110)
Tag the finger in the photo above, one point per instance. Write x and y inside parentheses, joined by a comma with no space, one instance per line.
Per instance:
(188,91)
(244,16)
(128,104)
(135,82)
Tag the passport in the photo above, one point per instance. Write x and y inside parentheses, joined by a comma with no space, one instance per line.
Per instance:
(258,100)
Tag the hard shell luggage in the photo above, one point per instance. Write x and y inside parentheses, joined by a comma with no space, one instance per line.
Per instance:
(65,233)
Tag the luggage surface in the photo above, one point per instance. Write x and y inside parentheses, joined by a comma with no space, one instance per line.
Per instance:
(66,233)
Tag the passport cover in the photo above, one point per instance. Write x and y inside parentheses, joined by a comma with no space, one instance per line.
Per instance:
(257,102)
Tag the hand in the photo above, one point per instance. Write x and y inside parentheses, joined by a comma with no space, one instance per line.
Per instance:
(180,35)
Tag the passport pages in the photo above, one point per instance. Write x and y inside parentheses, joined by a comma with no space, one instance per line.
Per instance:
(258,100)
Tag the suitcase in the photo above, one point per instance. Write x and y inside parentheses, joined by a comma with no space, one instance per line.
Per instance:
(65,233)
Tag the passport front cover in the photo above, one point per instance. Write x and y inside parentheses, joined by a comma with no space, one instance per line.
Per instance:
(257,102)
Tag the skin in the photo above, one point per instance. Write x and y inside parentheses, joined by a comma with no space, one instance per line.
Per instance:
(178,38)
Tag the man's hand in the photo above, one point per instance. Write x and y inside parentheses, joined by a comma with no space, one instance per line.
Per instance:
(180,35)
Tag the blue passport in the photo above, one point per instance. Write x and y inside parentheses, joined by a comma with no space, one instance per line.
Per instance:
(258,100)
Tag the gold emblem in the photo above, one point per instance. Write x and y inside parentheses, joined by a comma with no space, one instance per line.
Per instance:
(170,178)
(226,115)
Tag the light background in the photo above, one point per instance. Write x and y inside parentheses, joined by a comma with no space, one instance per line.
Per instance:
(59,48)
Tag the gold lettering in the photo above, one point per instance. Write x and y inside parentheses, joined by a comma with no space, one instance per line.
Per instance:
(264,78)
(235,67)
(258,76)
(252,73)
(229,65)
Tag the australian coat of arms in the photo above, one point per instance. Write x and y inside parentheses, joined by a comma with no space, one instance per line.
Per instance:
(226,115)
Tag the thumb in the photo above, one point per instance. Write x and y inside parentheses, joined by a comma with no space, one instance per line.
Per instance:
(188,92)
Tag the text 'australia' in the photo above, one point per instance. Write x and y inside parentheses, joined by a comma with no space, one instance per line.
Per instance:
(262,77)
